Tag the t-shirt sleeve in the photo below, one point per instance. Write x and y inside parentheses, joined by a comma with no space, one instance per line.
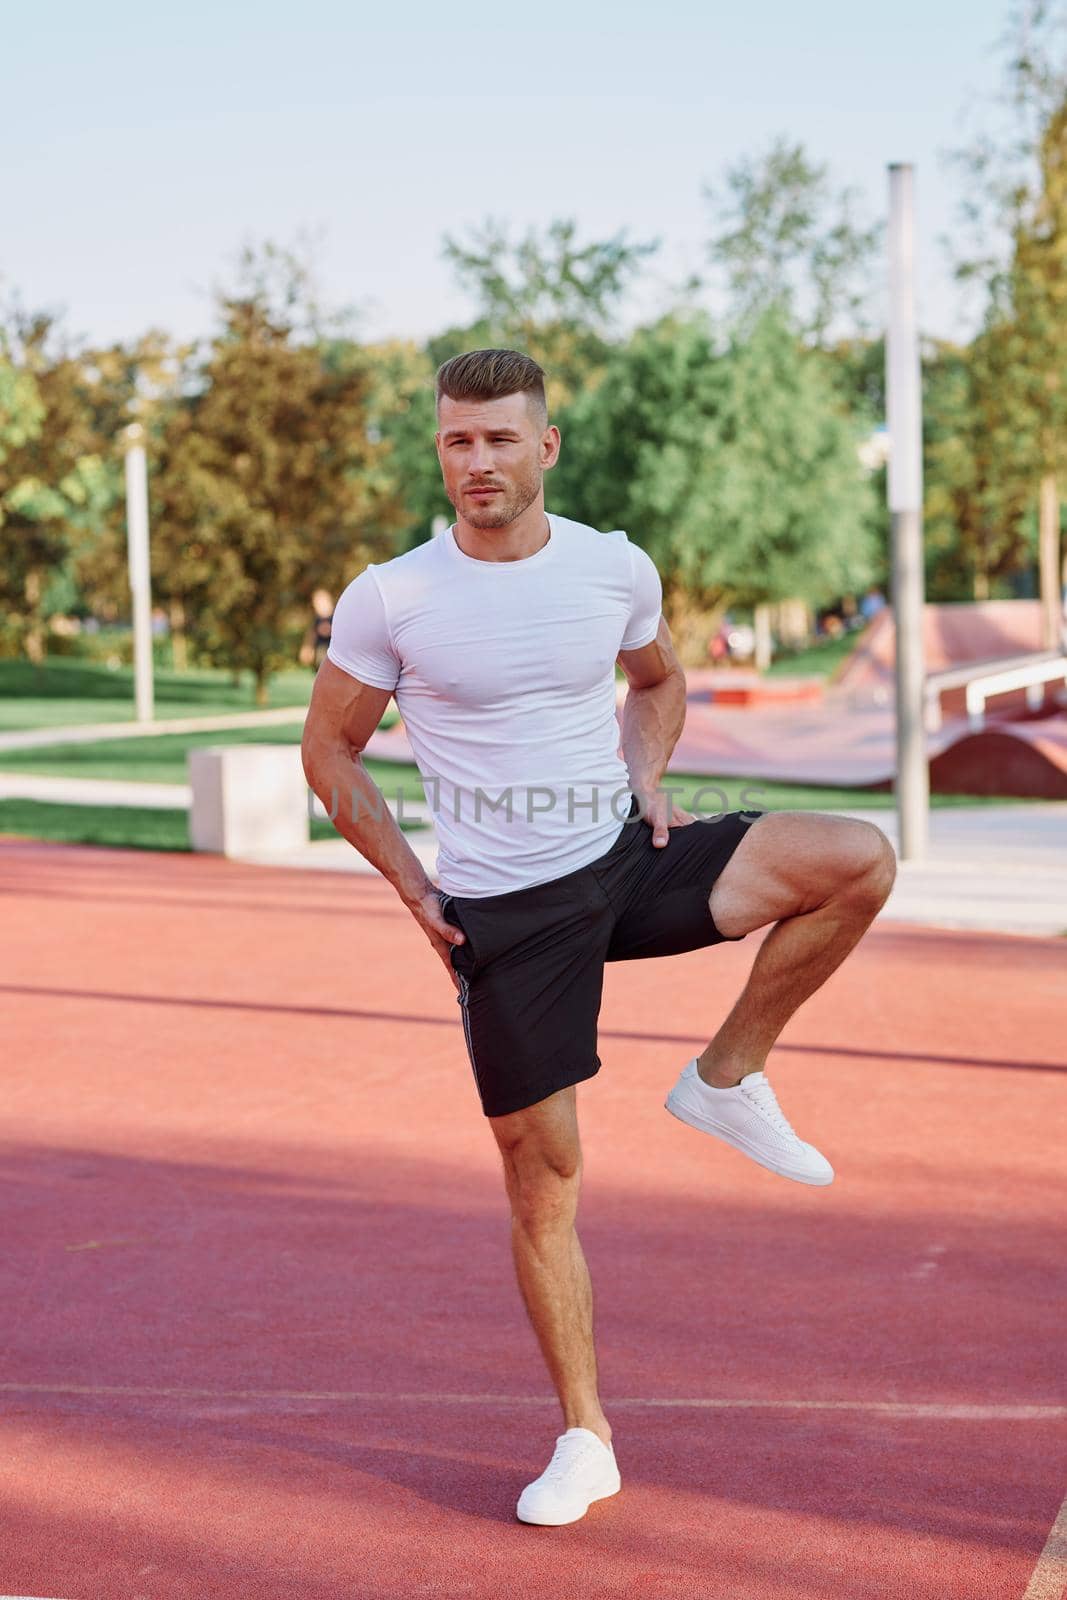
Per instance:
(360,643)
(643,624)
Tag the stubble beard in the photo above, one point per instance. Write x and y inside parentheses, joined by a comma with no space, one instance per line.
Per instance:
(507,509)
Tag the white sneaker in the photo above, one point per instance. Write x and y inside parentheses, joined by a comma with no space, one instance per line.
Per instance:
(749,1117)
(582,1470)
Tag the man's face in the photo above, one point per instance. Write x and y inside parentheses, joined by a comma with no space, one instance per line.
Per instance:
(493,454)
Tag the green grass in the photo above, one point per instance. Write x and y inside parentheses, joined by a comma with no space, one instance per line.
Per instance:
(161,758)
(136,827)
(156,758)
(124,827)
(822,658)
(66,692)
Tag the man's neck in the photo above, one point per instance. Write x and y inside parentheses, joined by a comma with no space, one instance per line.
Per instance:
(514,541)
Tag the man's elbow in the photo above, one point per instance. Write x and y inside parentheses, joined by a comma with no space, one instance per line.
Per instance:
(312,756)
(320,752)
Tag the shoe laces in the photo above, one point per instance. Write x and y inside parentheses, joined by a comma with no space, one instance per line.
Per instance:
(763,1099)
(570,1448)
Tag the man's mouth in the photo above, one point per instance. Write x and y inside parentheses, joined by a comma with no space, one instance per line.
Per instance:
(483,494)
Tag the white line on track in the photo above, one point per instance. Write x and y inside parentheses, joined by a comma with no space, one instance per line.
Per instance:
(892,1408)
(1050,1574)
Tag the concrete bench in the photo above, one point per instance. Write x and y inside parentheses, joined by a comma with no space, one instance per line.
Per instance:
(248,798)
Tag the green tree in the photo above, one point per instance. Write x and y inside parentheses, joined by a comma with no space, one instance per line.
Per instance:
(1037,336)
(734,466)
(270,479)
(548,295)
(1017,254)
(121,384)
(54,484)
(858,368)
(402,405)
(978,529)
(784,237)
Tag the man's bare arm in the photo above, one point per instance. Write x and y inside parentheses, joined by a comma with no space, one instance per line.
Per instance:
(653,716)
(341,718)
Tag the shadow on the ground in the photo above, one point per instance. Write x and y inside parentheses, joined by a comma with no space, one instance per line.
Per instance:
(408,1019)
(310,1328)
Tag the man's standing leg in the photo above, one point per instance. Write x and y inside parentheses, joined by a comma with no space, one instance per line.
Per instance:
(542,1160)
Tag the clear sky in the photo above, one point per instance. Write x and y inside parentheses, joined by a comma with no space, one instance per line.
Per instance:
(144,144)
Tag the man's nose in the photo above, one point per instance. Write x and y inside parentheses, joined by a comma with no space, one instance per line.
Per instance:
(481,457)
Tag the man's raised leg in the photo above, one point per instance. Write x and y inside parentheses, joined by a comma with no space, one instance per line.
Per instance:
(821,881)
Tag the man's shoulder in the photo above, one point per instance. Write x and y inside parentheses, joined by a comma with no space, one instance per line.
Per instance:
(580,535)
(417,565)
(420,555)
(582,530)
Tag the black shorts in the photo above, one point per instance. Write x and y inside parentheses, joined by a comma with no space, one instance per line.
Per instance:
(531,968)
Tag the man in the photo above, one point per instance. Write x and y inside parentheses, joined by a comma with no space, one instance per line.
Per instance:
(559,849)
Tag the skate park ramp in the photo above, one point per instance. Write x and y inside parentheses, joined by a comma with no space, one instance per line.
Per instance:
(954,635)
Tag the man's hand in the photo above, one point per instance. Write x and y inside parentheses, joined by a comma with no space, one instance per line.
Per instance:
(441,934)
(661,813)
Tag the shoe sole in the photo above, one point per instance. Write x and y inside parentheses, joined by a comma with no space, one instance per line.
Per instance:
(563,1522)
(703,1124)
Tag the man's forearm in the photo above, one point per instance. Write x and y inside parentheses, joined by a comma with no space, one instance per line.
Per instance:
(357,808)
(652,720)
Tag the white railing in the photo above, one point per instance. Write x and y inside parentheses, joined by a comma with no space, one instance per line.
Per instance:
(983,679)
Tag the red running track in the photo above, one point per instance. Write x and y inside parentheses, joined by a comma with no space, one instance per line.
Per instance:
(260,1332)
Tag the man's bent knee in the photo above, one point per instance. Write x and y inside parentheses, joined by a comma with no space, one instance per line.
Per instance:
(873,867)
(861,868)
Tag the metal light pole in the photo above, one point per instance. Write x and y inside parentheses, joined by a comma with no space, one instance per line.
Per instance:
(904,407)
(140,579)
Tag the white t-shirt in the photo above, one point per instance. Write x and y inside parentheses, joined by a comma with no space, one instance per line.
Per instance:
(504,674)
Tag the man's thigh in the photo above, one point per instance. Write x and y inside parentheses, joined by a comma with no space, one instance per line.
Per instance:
(662,893)
(791,862)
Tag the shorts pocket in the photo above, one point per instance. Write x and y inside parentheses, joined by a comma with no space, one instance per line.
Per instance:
(465,952)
